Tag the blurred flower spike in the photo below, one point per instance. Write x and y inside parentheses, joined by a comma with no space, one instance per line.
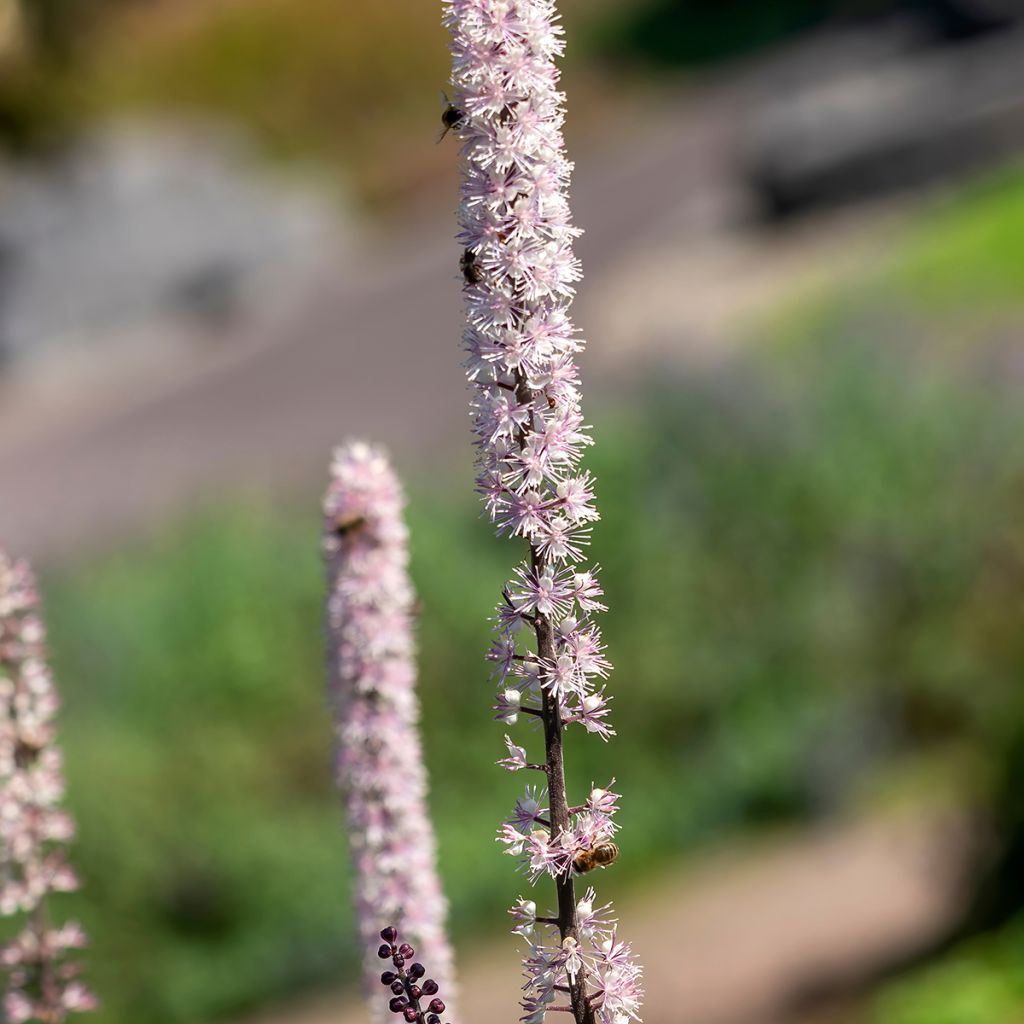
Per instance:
(372,679)
(42,980)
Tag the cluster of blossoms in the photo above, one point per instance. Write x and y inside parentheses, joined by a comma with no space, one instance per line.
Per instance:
(409,988)
(42,982)
(526,833)
(519,270)
(614,976)
(373,698)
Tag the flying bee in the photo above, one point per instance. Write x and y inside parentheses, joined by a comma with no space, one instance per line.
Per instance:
(471,271)
(451,117)
(599,856)
(346,525)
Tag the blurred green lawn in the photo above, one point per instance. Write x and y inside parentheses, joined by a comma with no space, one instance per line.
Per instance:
(814,556)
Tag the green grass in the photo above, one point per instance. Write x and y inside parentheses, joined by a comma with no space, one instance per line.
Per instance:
(970,253)
(952,279)
(981,984)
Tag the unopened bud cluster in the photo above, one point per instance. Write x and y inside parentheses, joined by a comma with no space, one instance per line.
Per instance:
(410,989)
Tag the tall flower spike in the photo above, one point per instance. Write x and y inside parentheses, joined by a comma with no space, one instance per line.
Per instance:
(42,980)
(372,693)
(519,273)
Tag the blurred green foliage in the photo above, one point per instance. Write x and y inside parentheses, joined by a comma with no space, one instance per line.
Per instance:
(983,984)
(354,86)
(967,257)
(682,33)
(685,32)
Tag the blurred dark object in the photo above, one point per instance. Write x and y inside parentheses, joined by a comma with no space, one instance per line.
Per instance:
(914,119)
(962,18)
(688,32)
(79,230)
(1000,893)
(8,269)
(57,28)
(53,27)
(198,901)
(211,294)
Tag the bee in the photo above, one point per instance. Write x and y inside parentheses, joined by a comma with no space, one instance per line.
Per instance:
(349,524)
(599,856)
(471,272)
(451,117)
(26,751)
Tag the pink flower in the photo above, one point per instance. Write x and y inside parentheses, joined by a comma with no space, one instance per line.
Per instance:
(546,592)
(372,691)
(516,759)
(42,981)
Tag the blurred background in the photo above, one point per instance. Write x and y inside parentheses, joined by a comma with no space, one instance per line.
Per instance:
(226,243)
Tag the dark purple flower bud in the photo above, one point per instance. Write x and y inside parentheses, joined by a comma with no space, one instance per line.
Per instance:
(411,1014)
(433,1018)
(436,1006)
(387,977)
(406,950)
(384,952)
(397,987)
(417,971)
(398,959)
(397,1005)
(429,987)
(389,934)
(415,991)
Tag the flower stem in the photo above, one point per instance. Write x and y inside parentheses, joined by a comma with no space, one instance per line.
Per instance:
(559,804)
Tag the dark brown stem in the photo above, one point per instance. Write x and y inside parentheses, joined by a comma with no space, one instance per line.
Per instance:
(568,926)
(48,990)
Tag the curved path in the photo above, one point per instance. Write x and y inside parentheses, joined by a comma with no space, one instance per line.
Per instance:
(741,937)
(369,346)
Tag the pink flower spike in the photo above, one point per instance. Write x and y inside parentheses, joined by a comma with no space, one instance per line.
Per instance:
(42,982)
(372,694)
(530,435)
